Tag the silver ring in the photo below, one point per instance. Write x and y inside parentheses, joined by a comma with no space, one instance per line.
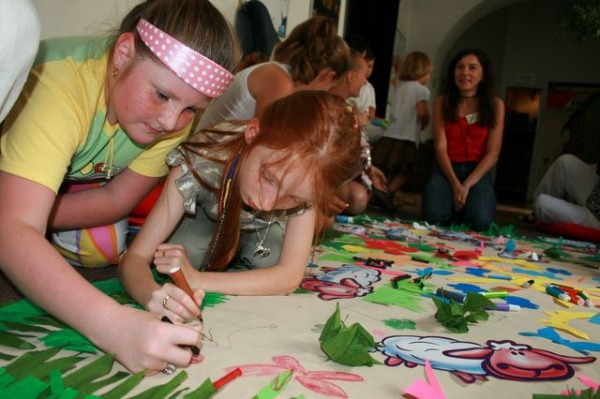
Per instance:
(170,369)
(165,301)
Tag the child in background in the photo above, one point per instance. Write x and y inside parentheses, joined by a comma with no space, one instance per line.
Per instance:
(274,173)
(364,103)
(313,56)
(396,151)
(104,111)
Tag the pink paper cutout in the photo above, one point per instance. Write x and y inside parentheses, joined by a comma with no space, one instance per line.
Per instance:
(429,389)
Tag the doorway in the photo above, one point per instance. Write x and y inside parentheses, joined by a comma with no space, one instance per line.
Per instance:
(520,126)
(376,23)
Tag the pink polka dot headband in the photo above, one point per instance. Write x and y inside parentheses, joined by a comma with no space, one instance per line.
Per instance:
(203,74)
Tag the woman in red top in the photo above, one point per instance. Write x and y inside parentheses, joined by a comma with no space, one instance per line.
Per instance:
(468,121)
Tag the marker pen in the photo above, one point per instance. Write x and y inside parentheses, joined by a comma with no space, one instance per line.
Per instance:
(457,296)
(528,283)
(180,281)
(194,348)
(494,294)
(557,293)
(505,307)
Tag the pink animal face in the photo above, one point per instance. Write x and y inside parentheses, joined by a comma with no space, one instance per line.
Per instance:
(509,361)
(348,288)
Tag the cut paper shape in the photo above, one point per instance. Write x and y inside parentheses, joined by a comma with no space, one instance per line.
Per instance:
(456,316)
(429,389)
(386,295)
(275,387)
(551,334)
(346,345)
(559,319)
(588,382)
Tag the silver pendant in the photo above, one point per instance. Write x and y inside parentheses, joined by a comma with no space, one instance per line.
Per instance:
(261,250)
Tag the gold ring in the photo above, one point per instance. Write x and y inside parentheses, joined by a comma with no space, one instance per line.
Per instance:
(165,301)
(170,369)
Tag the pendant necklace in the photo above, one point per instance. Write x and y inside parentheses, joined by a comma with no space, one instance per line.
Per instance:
(260,249)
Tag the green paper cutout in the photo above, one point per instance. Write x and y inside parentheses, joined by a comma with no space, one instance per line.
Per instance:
(84,376)
(125,387)
(14,341)
(456,316)
(204,391)
(400,324)
(24,327)
(69,339)
(588,393)
(29,387)
(6,357)
(5,378)
(275,387)
(386,295)
(346,345)
(161,391)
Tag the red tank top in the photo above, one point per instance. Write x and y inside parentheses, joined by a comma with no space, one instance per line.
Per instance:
(466,142)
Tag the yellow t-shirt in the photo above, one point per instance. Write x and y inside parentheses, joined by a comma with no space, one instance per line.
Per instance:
(57,131)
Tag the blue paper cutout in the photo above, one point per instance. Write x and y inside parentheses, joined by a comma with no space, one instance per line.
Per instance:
(551,334)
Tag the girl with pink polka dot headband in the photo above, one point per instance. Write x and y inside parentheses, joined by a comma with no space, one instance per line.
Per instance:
(198,71)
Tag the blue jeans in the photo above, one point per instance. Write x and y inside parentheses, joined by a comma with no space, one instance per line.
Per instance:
(437,206)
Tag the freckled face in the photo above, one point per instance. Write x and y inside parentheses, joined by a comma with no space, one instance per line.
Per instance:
(280,186)
(150,102)
(468,74)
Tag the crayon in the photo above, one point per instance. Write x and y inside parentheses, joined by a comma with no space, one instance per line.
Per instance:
(457,296)
(180,281)
(194,348)
(494,294)
(528,283)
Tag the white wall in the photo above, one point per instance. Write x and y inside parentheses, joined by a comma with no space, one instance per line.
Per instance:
(77,17)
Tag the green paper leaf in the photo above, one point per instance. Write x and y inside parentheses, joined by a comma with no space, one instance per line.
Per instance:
(204,391)
(125,387)
(90,388)
(346,345)
(90,372)
(15,326)
(456,316)
(28,387)
(70,339)
(14,341)
(20,367)
(275,387)
(162,391)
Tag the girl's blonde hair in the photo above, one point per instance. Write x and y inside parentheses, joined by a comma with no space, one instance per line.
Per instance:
(415,66)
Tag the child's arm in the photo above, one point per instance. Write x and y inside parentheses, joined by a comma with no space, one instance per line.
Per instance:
(423,113)
(134,268)
(280,279)
(268,83)
(138,339)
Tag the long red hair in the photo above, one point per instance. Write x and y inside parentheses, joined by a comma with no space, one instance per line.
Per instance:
(315,129)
